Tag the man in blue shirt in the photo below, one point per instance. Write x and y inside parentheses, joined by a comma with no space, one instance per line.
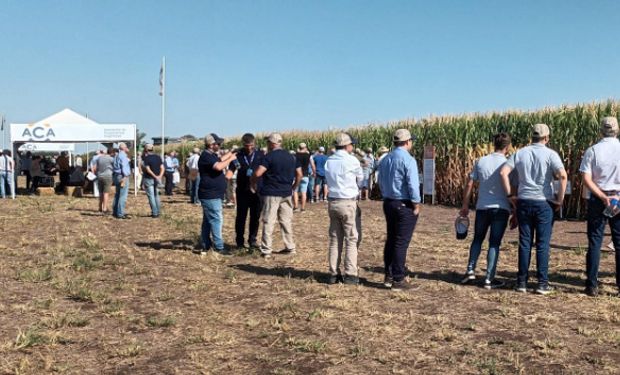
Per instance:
(281,174)
(248,160)
(211,192)
(120,175)
(319,182)
(152,170)
(399,183)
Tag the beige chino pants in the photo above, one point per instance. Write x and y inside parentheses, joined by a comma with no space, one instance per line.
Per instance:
(278,209)
(345,233)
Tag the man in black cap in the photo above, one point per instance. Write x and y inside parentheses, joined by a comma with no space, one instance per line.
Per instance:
(211,192)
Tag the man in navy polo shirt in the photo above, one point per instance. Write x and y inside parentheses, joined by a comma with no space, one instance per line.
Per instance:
(281,175)
(211,192)
(248,160)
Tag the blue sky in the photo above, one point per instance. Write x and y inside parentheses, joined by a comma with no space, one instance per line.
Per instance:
(237,66)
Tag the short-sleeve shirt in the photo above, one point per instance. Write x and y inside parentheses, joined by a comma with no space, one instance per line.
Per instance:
(248,163)
(105,165)
(152,161)
(536,165)
(212,182)
(319,163)
(303,159)
(602,162)
(280,175)
(491,193)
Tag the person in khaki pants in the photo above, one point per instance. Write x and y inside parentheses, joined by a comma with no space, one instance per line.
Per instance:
(343,174)
(281,174)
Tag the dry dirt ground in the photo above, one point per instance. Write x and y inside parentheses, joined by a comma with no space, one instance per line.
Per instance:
(81,293)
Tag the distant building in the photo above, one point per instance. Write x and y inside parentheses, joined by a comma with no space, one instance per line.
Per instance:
(157,140)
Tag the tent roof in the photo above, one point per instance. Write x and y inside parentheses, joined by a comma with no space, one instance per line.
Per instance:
(67,117)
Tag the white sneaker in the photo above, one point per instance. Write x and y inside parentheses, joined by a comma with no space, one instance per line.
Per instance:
(469,276)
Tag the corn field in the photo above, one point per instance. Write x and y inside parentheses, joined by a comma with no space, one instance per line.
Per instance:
(460,140)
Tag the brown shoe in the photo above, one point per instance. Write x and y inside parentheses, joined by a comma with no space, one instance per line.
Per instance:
(403,286)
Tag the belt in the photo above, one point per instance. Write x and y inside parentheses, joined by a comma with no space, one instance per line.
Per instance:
(610,193)
(341,199)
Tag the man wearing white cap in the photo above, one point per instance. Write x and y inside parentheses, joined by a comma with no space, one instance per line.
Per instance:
(281,174)
(400,185)
(600,169)
(536,167)
(211,192)
(343,174)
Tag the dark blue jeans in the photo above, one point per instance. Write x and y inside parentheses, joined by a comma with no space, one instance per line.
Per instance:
(596,231)
(194,190)
(535,221)
(400,222)
(497,220)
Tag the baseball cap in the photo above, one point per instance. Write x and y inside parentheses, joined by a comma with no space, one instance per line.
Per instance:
(148,147)
(344,139)
(383,150)
(401,135)
(274,138)
(196,150)
(369,150)
(213,138)
(540,130)
(303,146)
(322,149)
(609,123)
(461,226)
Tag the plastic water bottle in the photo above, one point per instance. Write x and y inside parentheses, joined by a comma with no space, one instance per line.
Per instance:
(613,209)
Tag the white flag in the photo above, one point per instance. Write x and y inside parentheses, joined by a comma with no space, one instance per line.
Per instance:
(162,79)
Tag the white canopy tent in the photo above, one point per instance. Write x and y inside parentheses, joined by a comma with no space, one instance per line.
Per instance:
(68,126)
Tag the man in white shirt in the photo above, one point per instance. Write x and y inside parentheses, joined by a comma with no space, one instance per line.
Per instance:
(194,176)
(600,169)
(343,174)
(7,170)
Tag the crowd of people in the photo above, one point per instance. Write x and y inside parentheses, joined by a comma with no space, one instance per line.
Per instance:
(273,183)
(267,186)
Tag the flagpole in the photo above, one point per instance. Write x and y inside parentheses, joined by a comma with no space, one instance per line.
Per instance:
(163,105)
(3,133)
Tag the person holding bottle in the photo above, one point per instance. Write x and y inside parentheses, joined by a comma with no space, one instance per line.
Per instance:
(600,168)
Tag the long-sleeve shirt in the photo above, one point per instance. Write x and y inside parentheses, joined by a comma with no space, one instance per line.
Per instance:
(343,174)
(121,164)
(398,176)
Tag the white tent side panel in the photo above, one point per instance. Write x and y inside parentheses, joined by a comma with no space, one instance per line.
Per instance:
(72,132)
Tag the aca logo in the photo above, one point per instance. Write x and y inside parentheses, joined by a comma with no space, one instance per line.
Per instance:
(40,133)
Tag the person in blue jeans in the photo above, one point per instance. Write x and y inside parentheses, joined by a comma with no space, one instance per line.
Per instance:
(601,176)
(153,171)
(536,166)
(211,192)
(121,173)
(492,210)
(320,186)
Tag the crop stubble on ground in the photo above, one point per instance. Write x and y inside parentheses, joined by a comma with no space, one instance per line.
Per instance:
(83,293)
